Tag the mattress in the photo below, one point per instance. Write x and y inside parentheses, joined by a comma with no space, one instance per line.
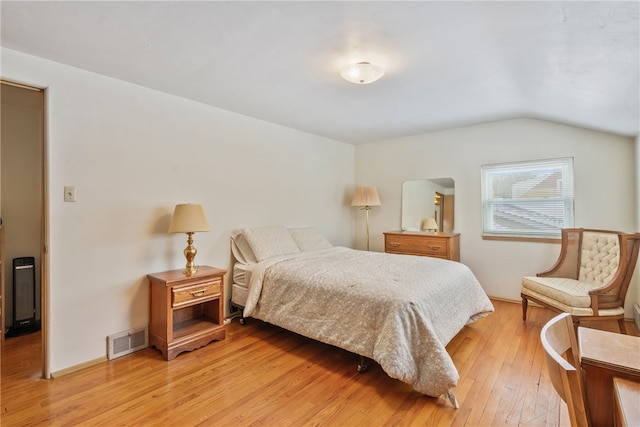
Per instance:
(240,285)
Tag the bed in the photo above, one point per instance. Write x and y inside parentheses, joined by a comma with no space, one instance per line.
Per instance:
(399,310)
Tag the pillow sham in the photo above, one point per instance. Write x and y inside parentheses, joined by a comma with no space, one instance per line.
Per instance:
(267,242)
(242,250)
(309,238)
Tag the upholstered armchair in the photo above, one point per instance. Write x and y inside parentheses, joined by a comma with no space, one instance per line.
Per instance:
(590,278)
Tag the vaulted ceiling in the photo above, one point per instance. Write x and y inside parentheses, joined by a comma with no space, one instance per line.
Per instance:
(447,64)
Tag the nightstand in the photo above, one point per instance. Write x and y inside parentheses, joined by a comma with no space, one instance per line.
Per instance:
(437,245)
(186,312)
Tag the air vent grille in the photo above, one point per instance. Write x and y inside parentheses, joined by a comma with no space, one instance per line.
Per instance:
(127,342)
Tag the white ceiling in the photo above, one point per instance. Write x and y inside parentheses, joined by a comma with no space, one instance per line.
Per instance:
(447,63)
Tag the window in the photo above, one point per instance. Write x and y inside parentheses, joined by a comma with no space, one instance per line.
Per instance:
(527,199)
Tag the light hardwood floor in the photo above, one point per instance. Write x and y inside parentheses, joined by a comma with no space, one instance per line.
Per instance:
(261,375)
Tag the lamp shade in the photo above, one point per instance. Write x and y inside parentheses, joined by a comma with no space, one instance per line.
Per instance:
(188,218)
(429,224)
(365,196)
(362,73)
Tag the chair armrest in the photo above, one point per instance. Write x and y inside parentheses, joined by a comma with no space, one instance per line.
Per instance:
(568,263)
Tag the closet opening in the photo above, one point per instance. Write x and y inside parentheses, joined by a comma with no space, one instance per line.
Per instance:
(22,217)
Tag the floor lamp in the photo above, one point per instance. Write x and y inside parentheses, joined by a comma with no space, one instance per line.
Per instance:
(365,198)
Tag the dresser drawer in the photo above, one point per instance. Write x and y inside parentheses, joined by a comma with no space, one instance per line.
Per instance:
(420,245)
(441,245)
(435,247)
(186,295)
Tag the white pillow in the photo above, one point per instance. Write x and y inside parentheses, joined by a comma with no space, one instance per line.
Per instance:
(309,239)
(267,242)
(242,250)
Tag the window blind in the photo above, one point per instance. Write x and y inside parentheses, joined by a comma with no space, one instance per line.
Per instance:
(528,199)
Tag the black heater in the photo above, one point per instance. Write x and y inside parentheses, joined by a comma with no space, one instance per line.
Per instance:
(24,297)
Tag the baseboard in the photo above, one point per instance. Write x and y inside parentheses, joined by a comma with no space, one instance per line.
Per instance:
(505,299)
(78,367)
(635,319)
(519,302)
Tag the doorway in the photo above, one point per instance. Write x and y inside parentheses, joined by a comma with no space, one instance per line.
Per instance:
(22,202)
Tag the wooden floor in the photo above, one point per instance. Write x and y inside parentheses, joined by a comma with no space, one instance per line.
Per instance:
(261,375)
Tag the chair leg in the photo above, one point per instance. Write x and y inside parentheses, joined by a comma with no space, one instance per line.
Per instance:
(525,303)
(623,330)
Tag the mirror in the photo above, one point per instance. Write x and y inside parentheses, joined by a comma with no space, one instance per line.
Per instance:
(423,199)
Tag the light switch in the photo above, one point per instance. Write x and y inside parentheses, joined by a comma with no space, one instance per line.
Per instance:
(69,193)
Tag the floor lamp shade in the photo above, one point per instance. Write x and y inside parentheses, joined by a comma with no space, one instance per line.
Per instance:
(189,218)
(365,196)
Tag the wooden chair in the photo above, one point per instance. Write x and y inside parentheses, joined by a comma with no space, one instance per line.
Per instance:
(558,338)
(590,278)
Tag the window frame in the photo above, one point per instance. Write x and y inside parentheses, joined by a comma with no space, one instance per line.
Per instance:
(565,201)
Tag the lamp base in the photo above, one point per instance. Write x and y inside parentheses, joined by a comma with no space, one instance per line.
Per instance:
(189,271)
(190,253)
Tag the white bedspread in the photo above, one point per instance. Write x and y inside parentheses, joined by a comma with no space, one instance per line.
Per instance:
(398,310)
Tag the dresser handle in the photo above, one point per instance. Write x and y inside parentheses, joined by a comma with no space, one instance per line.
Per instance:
(198,293)
(434,248)
(394,244)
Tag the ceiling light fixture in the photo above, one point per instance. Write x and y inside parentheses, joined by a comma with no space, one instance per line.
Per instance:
(362,73)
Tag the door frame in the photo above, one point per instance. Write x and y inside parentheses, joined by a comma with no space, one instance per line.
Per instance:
(44,227)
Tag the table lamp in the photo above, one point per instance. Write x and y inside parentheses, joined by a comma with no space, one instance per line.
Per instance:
(430,224)
(189,218)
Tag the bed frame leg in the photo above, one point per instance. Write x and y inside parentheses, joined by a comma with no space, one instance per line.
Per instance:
(236,307)
(452,399)
(362,366)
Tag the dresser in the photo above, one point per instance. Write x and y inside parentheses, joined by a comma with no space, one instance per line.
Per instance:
(186,312)
(437,245)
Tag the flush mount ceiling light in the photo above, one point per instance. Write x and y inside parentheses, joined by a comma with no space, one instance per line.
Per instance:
(362,73)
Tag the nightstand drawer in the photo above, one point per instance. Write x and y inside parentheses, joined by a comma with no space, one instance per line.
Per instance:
(190,294)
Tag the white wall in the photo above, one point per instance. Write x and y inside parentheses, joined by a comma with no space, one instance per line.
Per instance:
(133,153)
(605,188)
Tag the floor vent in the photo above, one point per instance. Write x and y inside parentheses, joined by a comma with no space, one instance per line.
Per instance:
(127,342)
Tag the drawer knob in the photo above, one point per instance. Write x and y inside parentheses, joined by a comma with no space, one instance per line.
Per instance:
(198,293)
(394,244)
(434,247)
